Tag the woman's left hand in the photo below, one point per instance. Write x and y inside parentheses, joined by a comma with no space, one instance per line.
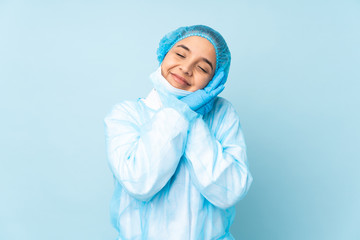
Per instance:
(202,100)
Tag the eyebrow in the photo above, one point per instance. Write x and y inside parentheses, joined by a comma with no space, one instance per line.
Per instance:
(184,47)
(204,59)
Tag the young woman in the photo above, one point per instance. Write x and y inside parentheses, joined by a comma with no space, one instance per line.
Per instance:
(178,156)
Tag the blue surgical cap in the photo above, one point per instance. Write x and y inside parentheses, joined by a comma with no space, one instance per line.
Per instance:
(223,56)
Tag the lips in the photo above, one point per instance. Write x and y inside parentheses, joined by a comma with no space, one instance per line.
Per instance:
(179,79)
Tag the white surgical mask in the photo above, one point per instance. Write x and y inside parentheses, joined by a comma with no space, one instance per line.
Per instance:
(161,84)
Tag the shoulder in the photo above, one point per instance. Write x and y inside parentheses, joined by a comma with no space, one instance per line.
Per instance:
(123,110)
(223,108)
(222,103)
(223,120)
(222,116)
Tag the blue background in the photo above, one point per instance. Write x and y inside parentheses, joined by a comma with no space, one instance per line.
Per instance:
(294,80)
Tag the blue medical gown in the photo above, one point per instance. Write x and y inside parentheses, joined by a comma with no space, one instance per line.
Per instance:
(177,175)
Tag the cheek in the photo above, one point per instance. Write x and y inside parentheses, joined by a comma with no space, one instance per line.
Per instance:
(201,83)
(165,65)
(169,59)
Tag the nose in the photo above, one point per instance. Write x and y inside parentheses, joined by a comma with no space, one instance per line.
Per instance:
(186,67)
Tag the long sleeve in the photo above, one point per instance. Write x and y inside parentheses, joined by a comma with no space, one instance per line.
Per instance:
(217,162)
(144,156)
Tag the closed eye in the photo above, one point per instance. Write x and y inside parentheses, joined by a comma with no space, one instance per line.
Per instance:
(180,55)
(203,69)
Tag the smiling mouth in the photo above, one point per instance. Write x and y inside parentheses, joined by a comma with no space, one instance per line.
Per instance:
(179,79)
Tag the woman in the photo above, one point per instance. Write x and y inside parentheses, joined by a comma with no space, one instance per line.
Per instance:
(178,156)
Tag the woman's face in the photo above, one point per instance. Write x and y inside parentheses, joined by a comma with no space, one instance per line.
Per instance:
(190,64)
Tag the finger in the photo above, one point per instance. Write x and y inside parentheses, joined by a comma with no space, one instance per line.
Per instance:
(215,82)
(210,97)
(217,91)
(223,80)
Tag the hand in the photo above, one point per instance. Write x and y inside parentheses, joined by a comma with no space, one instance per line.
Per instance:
(202,100)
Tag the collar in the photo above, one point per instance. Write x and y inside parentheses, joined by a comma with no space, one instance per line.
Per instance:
(153,100)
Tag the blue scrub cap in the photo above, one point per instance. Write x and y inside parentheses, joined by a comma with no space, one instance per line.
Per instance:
(223,56)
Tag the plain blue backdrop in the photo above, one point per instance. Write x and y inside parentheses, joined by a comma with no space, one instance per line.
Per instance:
(294,80)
